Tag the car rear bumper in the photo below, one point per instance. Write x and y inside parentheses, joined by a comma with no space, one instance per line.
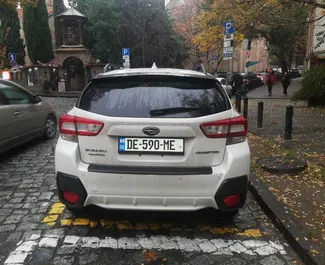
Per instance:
(120,188)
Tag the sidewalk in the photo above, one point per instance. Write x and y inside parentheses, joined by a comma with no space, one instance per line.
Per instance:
(277,91)
(303,195)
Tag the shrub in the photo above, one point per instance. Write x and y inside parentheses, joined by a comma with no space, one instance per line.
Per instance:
(312,88)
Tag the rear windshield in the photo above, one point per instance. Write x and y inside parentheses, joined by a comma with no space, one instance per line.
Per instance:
(154,96)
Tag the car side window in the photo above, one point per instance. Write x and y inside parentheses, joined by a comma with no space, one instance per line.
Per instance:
(14,95)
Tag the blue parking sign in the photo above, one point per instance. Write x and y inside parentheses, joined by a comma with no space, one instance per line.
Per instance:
(125,52)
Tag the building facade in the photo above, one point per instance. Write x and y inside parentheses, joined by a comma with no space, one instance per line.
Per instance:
(315,50)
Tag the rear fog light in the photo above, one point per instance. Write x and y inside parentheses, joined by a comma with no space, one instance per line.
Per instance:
(232,200)
(70,197)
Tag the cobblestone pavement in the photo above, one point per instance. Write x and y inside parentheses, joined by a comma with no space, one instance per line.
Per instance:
(36,229)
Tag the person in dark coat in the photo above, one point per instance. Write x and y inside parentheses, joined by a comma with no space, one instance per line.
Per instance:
(286,82)
(270,81)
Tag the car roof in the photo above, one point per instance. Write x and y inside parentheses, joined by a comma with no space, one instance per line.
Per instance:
(158,71)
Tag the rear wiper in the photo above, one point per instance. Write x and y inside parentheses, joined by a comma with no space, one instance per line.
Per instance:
(158,112)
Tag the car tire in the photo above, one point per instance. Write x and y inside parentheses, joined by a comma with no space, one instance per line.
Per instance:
(50,128)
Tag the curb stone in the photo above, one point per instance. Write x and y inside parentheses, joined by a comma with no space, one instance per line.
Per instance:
(283,220)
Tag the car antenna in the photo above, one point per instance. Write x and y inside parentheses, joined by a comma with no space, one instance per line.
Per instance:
(154,66)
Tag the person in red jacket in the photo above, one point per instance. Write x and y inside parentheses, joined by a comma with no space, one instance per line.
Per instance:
(270,81)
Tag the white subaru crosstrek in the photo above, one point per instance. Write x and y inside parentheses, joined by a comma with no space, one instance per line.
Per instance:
(153,139)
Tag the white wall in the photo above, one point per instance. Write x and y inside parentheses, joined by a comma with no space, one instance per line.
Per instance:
(318,27)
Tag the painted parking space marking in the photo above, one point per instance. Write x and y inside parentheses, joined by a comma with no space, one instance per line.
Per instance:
(53,218)
(157,242)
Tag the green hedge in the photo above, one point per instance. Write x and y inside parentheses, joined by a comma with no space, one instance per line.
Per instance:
(312,88)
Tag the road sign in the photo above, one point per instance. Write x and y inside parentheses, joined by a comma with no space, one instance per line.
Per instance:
(13,63)
(125,52)
(125,57)
(228,50)
(228,31)
(12,56)
(227,56)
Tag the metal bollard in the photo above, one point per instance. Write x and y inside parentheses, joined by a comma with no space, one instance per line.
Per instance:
(245,113)
(238,102)
(260,108)
(288,123)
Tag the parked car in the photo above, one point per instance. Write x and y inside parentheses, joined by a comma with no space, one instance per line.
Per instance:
(227,88)
(252,80)
(153,139)
(262,76)
(23,116)
(235,79)
(300,69)
(294,73)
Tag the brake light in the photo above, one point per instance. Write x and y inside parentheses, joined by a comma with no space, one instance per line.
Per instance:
(235,130)
(73,126)
(232,200)
(70,197)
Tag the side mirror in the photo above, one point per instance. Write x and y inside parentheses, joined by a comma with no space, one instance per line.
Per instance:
(36,100)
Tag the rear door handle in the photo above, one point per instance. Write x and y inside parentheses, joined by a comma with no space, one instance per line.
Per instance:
(18,113)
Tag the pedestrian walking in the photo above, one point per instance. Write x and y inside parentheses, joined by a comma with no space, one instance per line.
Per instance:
(270,81)
(286,82)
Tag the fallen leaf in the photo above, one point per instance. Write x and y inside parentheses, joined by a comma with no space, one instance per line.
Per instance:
(150,256)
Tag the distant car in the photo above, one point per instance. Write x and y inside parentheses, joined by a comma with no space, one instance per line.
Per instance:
(23,116)
(235,79)
(262,76)
(294,73)
(153,139)
(300,69)
(227,88)
(252,80)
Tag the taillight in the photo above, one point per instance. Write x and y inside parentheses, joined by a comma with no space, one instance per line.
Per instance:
(70,197)
(71,126)
(235,130)
(232,200)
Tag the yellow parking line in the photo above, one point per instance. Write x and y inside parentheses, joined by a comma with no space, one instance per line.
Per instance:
(107,223)
(50,218)
(66,222)
(141,226)
(81,222)
(124,225)
(251,233)
(58,208)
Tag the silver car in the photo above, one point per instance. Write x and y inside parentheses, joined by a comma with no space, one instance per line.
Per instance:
(23,116)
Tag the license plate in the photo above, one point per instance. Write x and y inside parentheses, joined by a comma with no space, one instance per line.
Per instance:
(150,145)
